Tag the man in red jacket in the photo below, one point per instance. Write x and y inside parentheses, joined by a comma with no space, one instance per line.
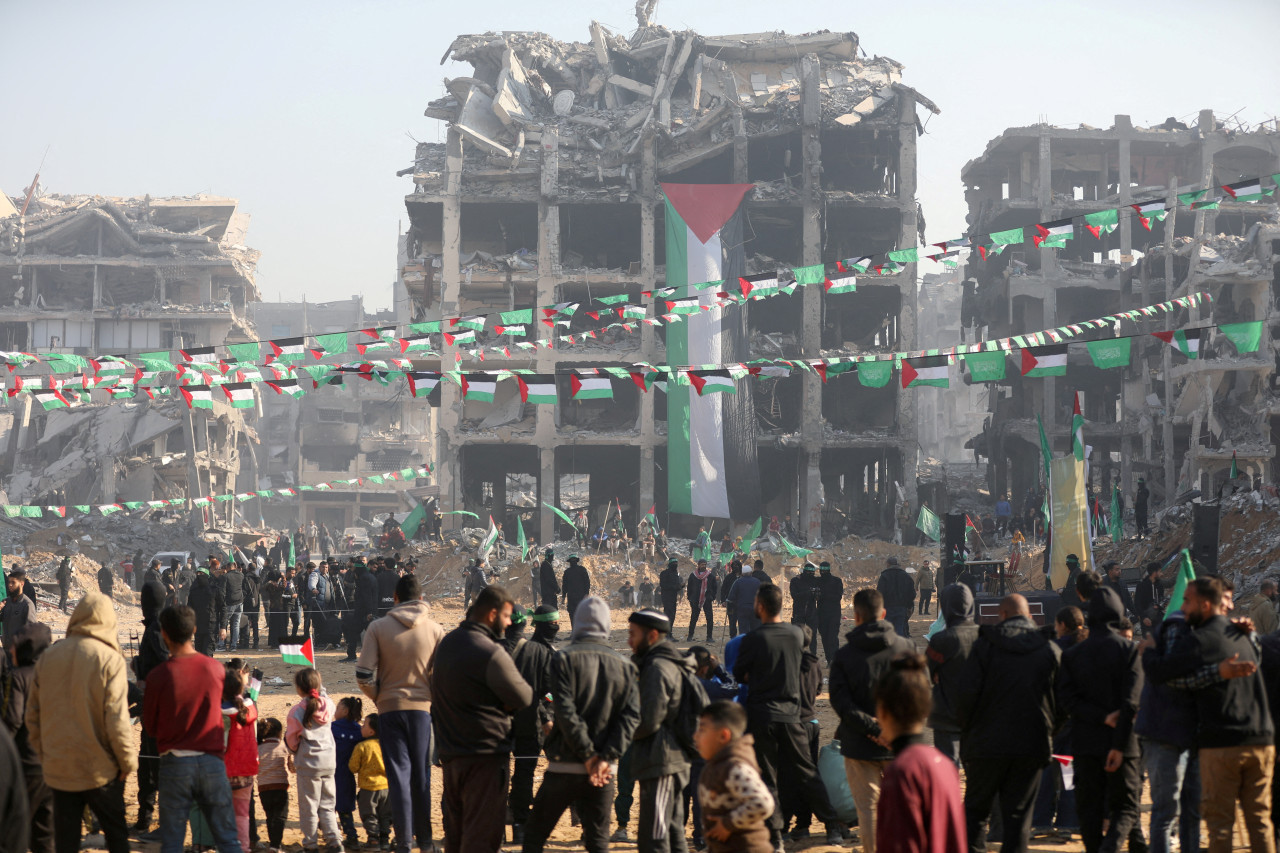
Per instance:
(182,707)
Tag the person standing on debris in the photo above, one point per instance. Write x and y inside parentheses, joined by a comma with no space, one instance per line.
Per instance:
(726,584)
(1004,515)
(547,585)
(475,582)
(313,535)
(16,612)
(924,587)
(899,593)
(232,584)
(577,585)
(64,583)
(1141,498)
(669,584)
(580,527)
(701,593)
(830,606)
(106,580)
(205,599)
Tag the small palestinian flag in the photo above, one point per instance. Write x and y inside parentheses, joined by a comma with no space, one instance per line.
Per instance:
(538,388)
(479,386)
(683,306)
(287,349)
(762,284)
(1098,230)
(467,337)
(840,279)
(512,331)
(1250,190)
(770,371)
(1045,361)
(927,370)
(1185,341)
(239,394)
(475,324)
(1053,233)
(712,381)
(958,243)
(586,387)
(858,265)
(198,355)
(1151,211)
(197,396)
(50,399)
(297,654)
(422,382)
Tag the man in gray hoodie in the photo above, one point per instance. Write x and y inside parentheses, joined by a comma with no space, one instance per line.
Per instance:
(597,708)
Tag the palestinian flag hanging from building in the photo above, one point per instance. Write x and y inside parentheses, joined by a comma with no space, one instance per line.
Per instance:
(928,370)
(287,349)
(712,381)
(1151,211)
(588,387)
(1250,190)
(295,653)
(712,468)
(197,396)
(422,382)
(479,386)
(1053,234)
(1185,341)
(538,389)
(1045,361)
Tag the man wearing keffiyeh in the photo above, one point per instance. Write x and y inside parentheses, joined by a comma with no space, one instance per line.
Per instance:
(702,595)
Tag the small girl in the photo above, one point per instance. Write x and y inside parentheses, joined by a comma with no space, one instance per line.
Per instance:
(273,779)
(310,739)
(346,734)
(239,715)
(375,805)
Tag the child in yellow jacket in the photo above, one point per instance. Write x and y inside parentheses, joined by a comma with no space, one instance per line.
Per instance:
(371,779)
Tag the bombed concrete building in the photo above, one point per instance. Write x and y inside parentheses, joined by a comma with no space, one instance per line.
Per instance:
(1173,421)
(86,275)
(547,190)
(353,428)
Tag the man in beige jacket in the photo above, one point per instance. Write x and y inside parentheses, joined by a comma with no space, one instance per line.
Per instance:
(78,723)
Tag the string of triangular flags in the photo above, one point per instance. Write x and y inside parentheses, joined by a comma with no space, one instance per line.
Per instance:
(42,511)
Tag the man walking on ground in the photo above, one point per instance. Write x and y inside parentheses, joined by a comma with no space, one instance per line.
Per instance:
(924,587)
(597,708)
(547,583)
(78,725)
(659,761)
(726,584)
(1007,709)
(830,604)
(701,593)
(899,593)
(183,708)
(577,585)
(64,583)
(669,584)
(858,668)
(394,671)
(768,662)
(475,690)
(232,584)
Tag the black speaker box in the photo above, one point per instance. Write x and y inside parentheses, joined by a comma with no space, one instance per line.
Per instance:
(1204,538)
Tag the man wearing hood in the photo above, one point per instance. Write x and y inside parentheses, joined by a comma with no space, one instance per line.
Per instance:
(533,662)
(859,666)
(899,594)
(577,585)
(547,585)
(701,593)
(947,655)
(1099,686)
(742,599)
(151,653)
(669,584)
(205,598)
(1007,711)
(365,607)
(394,670)
(658,758)
(475,690)
(597,709)
(16,680)
(830,603)
(78,724)
(804,599)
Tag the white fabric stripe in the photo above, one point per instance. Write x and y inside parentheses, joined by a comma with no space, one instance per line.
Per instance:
(662,796)
(706,423)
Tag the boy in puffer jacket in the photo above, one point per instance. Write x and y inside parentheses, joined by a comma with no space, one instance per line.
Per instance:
(735,801)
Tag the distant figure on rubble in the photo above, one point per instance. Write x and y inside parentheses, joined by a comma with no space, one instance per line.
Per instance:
(64,583)
(576,584)
(475,582)
(1140,500)
(105,580)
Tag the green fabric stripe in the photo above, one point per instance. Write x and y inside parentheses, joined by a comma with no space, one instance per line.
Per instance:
(679,469)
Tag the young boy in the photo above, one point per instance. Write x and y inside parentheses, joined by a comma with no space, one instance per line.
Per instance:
(735,801)
(371,778)
(920,806)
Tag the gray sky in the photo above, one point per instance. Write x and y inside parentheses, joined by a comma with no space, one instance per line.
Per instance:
(304,111)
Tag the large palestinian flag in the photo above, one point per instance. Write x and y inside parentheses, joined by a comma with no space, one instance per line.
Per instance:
(711,439)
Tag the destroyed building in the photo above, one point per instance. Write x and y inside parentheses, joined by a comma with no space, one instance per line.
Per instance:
(352,428)
(1176,422)
(87,275)
(546,190)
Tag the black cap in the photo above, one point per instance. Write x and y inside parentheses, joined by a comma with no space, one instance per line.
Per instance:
(651,619)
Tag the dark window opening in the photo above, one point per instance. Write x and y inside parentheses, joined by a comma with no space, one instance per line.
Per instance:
(600,236)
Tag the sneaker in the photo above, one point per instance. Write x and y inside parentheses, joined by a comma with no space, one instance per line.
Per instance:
(152,837)
(347,660)
(619,836)
(797,834)
(833,836)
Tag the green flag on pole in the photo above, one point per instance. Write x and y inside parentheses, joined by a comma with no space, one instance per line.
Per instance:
(1235,468)
(413,521)
(521,540)
(1186,574)
(1044,449)
(1077,431)
(795,550)
(754,533)
(293,558)
(1117,516)
(929,524)
(490,539)
(567,519)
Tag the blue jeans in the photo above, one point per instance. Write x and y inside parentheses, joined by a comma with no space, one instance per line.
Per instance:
(234,612)
(198,780)
(406,753)
(1175,795)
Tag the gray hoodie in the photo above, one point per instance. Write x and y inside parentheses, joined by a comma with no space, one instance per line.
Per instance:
(591,621)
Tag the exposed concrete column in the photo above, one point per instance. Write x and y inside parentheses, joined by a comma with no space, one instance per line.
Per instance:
(547,493)
(648,191)
(810,514)
(1170,399)
(107,472)
(811,307)
(1123,171)
(448,443)
(908,311)
(1049,384)
(206,287)
(548,270)
(98,275)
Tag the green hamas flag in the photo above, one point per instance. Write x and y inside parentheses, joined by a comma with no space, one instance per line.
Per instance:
(754,533)
(1186,574)
(567,520)
(1109,353)
(929,524)
(794,550)
(1246,337)
(521,540)
(985,366)
(413,520)
(875,374)
(1117,516)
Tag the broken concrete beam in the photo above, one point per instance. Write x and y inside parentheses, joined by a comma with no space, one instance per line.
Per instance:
(589,121)
(478,123)
(685,159)
(513,102)
(642,89)
(637,118)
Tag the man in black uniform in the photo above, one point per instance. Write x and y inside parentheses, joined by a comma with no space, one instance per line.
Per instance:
(1111,569)
(1140,499)
(577,585)
(669,585)
(105,581)
(533,661)
(731,615)
(830,602)
(547,585)
(387,579)
(476,581)
(205,598)
(364,606)
(64,583)
(804,601)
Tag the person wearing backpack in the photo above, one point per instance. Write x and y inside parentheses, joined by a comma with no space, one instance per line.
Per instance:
(671,698)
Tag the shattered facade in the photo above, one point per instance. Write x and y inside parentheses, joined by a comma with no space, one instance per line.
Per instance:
(1174,421)
(90,275)
(547,191)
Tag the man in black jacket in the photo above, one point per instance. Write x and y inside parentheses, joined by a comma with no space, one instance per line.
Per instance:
(1007,711)
(1111,571)
(669,585)
(231,583)
(577,585)
(64,583)
(106,580)
(726,584)
(1149,596)
(387,579)
(1099,685)
(830,602)
(252,602)
(532,657)
(364,607)
(804,599)
(475,690)
(658,760)
(205,598)
(597,709)
(152,652)
(769,662)
(860,664)
(947,656)
(701,593)
(899,594)
(547,585)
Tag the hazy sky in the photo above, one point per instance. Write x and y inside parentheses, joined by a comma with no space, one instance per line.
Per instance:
(304,111)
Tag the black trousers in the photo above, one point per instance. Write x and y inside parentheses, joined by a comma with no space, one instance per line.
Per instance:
(782,744)
(558,792)
(525,751)
(926,596)
(355,628)
(660,826)
(669,605)
(40,802)
(205,642)
(829,630)
(148,778)
(710,618)
(1016,779)
(793,802)
(1101,795)
(107,805)
(731,619)
(253,614)
(475,787)
(275,806)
